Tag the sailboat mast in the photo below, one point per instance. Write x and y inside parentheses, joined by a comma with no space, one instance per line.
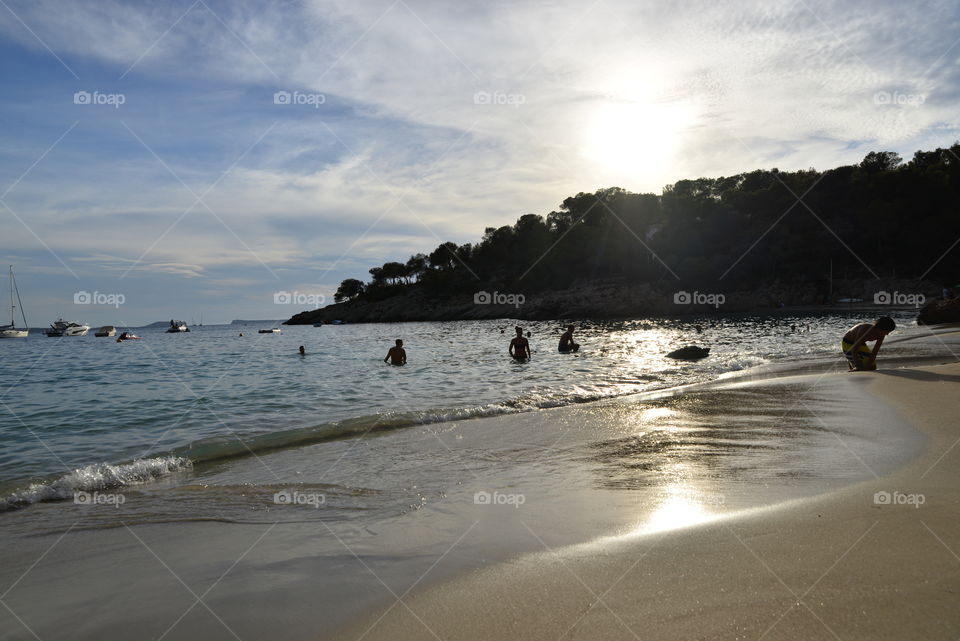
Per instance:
(23,314)
(13,310)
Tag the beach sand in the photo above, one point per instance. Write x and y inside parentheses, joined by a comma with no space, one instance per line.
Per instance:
(862,562)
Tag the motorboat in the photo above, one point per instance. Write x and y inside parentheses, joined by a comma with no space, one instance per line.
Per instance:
(106,331)
(11,330)
(177,326)
(63,328)
(127,336)
(272,330)
(318,324)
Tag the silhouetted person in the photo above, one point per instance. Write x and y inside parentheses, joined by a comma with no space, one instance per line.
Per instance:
(519,346)
(566,341)
(397,355)
(302,351)
(859,356)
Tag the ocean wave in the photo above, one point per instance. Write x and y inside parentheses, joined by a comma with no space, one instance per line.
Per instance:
(103,476)
(92,478)
(223,447)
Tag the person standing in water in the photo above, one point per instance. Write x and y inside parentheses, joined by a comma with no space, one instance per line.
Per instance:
(519,346)
(854,343)
(566,341)
(303,352)
(397,355)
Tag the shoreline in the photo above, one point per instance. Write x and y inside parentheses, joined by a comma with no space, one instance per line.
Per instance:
(132,473)
(834,564)
(468,312)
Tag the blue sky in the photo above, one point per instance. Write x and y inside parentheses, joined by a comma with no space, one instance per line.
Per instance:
(417,122)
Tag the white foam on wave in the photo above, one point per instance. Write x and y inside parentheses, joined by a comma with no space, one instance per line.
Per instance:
(100,476)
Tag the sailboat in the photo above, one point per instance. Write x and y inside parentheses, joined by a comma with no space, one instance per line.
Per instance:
(11,331)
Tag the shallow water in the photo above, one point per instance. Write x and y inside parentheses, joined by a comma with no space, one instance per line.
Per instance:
(78,410)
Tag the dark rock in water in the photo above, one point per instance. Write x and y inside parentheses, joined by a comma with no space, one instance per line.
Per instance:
(943,310)
(690,353)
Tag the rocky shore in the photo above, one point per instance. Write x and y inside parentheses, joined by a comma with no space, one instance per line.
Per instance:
(611,298)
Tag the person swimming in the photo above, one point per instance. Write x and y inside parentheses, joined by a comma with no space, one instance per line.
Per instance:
(566,341)
(302,351)
(859,356)
(397,355)
(519,346)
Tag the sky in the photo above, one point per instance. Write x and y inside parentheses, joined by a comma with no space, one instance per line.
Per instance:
(226,160)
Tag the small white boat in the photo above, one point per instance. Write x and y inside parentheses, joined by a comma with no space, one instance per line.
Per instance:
(63,328)
(106,331)
(177,326)
(11,330)
(272,330)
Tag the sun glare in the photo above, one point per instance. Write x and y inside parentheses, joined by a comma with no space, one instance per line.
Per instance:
(635,141)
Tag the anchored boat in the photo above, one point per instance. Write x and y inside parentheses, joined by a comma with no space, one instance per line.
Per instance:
(11,330)
(63,328)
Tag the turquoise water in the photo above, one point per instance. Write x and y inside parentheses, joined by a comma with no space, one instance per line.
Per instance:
(77,412)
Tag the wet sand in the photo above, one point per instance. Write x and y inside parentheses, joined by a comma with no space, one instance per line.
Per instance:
(876,560)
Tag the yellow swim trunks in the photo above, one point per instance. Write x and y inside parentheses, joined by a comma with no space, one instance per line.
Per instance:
(855,357)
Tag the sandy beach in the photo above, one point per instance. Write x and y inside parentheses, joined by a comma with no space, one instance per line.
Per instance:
(741,507)
(876,560)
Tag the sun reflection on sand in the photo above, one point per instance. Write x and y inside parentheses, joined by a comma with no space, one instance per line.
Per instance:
(681,507)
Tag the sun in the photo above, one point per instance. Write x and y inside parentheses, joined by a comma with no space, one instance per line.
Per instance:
(635,142)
